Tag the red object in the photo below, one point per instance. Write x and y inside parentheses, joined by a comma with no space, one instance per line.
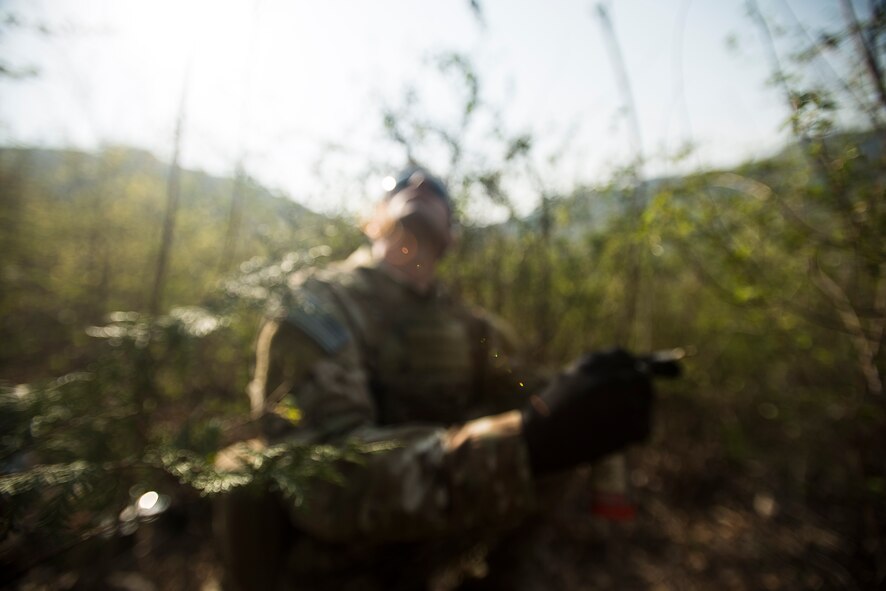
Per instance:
(613,506)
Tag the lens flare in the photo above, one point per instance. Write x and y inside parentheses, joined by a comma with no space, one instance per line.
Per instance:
(148,501)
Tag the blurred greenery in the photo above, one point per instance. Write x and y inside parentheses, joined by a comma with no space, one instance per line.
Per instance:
(773,274)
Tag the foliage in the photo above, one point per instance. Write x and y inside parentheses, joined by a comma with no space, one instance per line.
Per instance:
(147,415)
(773,273)
(142,399)
(80,234)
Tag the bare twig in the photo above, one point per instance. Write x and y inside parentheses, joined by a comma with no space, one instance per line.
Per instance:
(636,202)
(173,193)
(864,49)
(849,317)
(817,48)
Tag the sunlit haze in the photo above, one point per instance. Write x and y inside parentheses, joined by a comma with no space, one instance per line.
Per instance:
(296,89)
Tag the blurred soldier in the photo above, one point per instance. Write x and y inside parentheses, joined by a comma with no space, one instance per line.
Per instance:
(374,350)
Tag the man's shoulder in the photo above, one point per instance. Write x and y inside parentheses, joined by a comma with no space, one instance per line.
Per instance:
(318,301)
(325,281)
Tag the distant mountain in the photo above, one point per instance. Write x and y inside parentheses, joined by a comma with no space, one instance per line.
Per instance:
(80,237)
(592,208)
(120,162)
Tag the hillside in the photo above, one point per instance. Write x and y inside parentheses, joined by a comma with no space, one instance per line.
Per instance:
(80,235)
(763,470)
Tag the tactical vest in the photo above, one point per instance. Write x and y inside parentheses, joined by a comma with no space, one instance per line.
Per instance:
(423,352)
(428,359)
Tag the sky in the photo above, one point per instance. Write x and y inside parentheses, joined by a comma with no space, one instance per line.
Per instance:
(295,90)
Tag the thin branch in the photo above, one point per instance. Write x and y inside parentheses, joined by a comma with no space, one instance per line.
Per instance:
(820,158)
(817,49)
(679,74)
(636,203)
(877,324)
(870,59)
(761,190)
(235,213)
(173,194)
(847,314)
(624,85)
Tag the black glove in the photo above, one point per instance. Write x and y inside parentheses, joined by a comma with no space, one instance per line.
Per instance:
(600,405)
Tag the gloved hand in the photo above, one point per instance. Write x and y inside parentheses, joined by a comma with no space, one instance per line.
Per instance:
(598,406)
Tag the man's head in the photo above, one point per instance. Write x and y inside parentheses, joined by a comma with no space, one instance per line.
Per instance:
(416,202)
(417,176)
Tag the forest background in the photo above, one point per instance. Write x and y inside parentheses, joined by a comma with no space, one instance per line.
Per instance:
(131,289)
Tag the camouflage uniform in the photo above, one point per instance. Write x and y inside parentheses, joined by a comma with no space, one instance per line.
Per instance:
(354,354)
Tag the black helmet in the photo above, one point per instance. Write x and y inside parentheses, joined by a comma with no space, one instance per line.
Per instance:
(395,184)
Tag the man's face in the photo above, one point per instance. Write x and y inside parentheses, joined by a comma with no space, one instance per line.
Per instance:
(421,211)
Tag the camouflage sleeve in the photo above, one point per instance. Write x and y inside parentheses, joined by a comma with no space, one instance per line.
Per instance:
(430,482)
(425,481)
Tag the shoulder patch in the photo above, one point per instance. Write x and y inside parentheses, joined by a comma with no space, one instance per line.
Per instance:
(316,318)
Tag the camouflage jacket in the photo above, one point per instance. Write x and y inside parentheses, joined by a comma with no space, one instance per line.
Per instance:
(354,355)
